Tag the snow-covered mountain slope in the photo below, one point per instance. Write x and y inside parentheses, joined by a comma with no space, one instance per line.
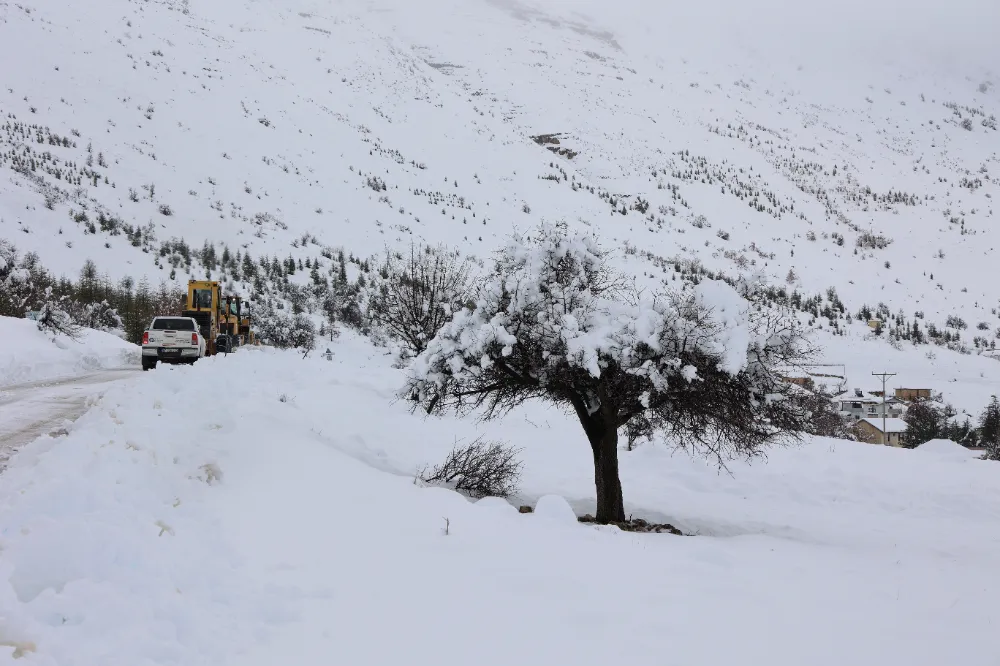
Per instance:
(278,128)
(270,529)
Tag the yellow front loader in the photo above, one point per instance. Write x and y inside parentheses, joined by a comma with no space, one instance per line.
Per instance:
(204,303)
(235,321)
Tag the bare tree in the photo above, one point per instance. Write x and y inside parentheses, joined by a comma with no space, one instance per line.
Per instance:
(481,469)
(554,322)
(412,297)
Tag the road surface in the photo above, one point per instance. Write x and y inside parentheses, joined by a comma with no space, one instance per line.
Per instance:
(36,408)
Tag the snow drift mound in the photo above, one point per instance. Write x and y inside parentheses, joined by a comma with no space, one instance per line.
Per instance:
(27,354)
(946,448)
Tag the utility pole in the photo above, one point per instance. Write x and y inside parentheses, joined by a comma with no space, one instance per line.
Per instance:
(884,376)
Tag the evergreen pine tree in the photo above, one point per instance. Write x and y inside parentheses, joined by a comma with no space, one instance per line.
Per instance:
(989,429)
(923,423)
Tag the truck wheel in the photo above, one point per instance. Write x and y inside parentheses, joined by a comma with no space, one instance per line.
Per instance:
(148,365)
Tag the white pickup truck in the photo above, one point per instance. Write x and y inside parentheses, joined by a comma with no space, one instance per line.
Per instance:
(171,340)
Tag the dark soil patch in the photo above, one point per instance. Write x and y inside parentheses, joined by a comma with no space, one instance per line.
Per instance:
(638,525)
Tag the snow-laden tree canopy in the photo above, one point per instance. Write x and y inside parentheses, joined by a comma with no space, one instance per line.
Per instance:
(15,280)
(554,321)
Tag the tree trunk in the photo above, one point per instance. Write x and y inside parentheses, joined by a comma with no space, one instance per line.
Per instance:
(602,432)
(610,505)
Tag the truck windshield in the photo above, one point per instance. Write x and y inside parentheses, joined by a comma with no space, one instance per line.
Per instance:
(173,324)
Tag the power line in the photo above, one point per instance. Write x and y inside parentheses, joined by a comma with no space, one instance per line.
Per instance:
(884,376)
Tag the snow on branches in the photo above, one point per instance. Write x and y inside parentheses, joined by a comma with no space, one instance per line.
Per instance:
(554,321)
(53,317)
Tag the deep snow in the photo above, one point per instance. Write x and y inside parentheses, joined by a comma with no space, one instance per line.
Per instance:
(30,355)
(282,524)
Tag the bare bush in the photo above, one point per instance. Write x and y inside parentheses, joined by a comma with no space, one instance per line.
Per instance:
(480,469)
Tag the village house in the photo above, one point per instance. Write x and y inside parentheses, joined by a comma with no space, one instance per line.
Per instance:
(911,394)
(858,404)
(802,382)
(870,430)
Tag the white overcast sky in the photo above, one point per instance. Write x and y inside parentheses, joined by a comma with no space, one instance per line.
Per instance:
(949,34)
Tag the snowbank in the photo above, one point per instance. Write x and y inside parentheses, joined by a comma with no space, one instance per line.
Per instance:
(29,355)
(171,526)
(947,449)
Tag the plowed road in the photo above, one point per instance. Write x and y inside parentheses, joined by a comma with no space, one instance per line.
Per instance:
(33,409)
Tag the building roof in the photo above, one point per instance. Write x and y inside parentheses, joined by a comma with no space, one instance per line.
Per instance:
(891,425)
(852,396)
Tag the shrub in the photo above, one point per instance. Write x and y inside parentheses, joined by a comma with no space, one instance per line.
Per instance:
(955,322)
(481,469)
(285,332)
(53,318)
(22,280)
(870,241)
(97,315)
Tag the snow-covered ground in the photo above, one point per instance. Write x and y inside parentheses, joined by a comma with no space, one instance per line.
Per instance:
(280,523)
(28,355)
(261,508)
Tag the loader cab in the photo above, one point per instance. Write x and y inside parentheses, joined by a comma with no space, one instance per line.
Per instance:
(203,305)
(201,299)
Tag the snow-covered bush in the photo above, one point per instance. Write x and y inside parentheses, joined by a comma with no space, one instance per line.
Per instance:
(554,322)
(53,317)
(412,297)
(284,332)
(340,304)
(19,280)
(303,332)
(100,316)
(480,469)
(871,241)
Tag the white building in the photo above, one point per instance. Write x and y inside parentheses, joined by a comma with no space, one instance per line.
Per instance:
(858,404)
